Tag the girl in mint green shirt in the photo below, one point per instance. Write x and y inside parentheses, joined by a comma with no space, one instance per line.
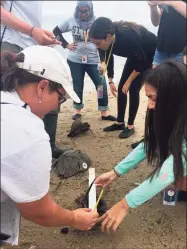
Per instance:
(165,144)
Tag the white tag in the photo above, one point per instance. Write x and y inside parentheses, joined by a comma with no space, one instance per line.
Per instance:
(170,197)
(84,59)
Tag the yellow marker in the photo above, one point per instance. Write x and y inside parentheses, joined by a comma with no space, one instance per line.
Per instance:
(99,198)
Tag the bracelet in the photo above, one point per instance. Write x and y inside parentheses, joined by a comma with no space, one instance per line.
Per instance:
(31,31)
(116,172)
(111,82)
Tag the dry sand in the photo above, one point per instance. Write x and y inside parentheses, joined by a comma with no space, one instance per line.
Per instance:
(151,226)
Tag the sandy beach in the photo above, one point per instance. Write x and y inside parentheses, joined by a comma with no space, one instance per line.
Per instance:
(151,226)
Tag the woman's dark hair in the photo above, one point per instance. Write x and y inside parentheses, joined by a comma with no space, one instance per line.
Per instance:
(13,77)
(166,125)
(103,26)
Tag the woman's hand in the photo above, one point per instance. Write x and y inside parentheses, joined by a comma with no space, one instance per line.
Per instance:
(84,218)
(44,37)
(113,89)
(72,46)
(125,87)
(114,216)
(106,179)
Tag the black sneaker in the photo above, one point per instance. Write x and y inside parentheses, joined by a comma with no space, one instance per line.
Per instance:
(57,152)
(109,117)
(126,133)
(76,116)
(115,127)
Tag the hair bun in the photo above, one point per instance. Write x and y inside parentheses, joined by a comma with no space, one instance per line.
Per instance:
(19,57)
(8,60)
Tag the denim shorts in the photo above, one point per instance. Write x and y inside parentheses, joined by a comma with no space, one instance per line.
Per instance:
(159,57)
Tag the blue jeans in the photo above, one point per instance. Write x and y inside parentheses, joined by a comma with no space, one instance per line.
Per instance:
(78,71)
(159,57)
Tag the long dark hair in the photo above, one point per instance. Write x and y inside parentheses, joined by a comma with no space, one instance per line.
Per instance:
(13,77)
(166,125)
(103,26)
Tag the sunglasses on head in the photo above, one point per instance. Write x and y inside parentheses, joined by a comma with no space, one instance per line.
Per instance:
(61,98)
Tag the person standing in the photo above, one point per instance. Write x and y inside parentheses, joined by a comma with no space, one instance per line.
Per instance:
(138,45)
(170,16)
(83,57)
(20,28)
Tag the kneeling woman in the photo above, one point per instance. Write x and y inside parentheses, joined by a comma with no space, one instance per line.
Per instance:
(129,40)
(165,141)
(33,83)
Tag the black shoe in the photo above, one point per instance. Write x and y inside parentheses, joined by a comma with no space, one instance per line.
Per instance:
(126,133)
(76,116)
(109,117)
(57,152)
(115,127)
(134,145)
(182,197)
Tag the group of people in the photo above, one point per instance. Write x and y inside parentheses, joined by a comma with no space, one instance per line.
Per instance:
(35,81)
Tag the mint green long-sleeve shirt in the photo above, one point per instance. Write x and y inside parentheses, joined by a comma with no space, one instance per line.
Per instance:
(148,188)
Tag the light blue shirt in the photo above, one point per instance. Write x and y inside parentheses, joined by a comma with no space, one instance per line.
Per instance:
(148,188)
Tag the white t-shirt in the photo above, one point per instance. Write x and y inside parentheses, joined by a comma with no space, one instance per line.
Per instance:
(25,161)
(28,11)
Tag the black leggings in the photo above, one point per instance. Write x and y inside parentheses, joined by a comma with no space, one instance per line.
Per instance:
(134,90)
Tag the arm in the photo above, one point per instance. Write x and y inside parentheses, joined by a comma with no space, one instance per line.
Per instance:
(31,193)
(101,55)
(46,212)
(8,19)
(156,12)
(179,6)
(42,37)
(63,28)
(133,76)
(132,160)
(114,216)
(58,34)
(110,68)
(148,188)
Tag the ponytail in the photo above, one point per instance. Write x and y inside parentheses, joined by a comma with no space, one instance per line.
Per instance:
(10,73)
(13,77)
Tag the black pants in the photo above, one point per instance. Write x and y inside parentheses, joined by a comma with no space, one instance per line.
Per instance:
(134,91)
